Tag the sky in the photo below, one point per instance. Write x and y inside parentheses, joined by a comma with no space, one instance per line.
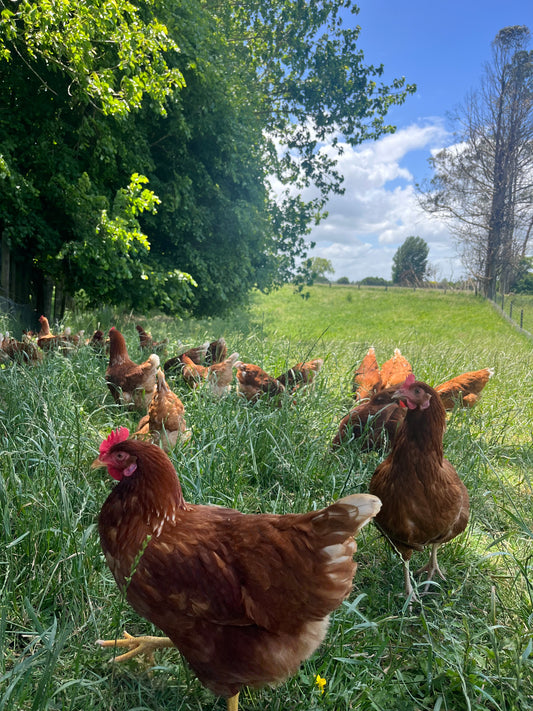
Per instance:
(442,47)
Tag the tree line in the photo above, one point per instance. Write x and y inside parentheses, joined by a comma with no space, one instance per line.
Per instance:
(155,155)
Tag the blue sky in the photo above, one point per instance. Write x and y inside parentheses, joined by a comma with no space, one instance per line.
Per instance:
(441,47)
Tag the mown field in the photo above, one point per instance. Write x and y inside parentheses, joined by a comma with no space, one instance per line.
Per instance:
(467,645)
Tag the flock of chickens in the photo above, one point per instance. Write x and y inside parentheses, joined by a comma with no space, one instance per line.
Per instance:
(247,597)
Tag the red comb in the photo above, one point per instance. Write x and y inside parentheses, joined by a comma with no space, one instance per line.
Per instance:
(409,381)
(119,435)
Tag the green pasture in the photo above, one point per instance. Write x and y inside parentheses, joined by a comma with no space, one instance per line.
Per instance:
(468,644)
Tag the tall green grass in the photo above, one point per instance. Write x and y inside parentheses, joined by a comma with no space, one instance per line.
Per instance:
(468,645)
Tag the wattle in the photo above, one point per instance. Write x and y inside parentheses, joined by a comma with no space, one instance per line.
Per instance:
(115,473)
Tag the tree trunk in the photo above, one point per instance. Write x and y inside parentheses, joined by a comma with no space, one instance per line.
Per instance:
(6,268)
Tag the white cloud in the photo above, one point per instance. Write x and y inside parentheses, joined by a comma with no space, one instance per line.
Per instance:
(379,208)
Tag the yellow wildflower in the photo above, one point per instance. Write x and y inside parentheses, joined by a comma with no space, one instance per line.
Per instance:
(320,682)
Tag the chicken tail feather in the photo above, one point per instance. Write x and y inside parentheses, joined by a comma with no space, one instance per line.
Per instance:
(346,517)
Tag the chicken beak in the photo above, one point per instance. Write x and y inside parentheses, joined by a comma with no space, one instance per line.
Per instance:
(97,464)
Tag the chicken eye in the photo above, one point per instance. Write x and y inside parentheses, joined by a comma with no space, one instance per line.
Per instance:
(120,456)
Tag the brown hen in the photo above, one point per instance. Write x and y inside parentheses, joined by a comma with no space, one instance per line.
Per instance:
(253,382)
(148,344)
(174,365)
(367,377)
(217,375)
(165,422)
(425,503)
(129,382)
(373,423)
(301,374)
(465,389)
(46,340)
(395,370)
(24,351)
(217,351)
(245,598)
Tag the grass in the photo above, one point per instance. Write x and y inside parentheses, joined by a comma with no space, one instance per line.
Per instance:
(467,646)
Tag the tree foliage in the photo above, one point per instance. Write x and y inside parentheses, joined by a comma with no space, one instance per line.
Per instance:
(320,267)
(483,183)
(224,108)
(409,263)
(523,283)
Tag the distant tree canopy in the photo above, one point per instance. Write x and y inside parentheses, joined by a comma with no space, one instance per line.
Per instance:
(374,281)
(410,262)
(319,267)
(139,145)
(523,283)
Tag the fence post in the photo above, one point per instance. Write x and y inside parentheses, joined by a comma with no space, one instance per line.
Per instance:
(511,311)
(521,317)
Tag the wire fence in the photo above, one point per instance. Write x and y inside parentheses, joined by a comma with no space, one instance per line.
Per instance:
(518,309)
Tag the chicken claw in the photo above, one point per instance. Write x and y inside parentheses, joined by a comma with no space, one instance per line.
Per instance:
(431,568)
(138,645)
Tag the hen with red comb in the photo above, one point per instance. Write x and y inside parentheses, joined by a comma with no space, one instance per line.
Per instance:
(115,437)
(244,597)
(425,503)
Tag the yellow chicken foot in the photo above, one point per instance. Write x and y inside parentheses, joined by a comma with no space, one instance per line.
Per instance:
(137,645)
(233,703)
(432,567)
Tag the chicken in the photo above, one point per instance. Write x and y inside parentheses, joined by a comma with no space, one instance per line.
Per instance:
(174,365)
(207,354)
(147,343)
(73,339)
(218,375)
(98,343)
(46,340)
(217,351)
(367,378)
(374,422)
(301,374)
(245,598)
(24,351)
(395,370)
(253,382)
(192,373)
(465,389)
(129,382)
(165,422)
(425,503)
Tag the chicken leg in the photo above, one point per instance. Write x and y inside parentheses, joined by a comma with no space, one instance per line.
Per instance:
(233,703)
(147,645)
(137,645)
(432,566)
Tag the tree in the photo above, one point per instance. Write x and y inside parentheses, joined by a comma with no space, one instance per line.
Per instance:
(320,267)
(281,80)
(374,281)
(483,184)
(212,102)
(72,76)
(523,283)
(409,263)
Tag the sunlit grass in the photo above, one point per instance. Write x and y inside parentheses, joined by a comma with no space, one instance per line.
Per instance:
(467,646)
